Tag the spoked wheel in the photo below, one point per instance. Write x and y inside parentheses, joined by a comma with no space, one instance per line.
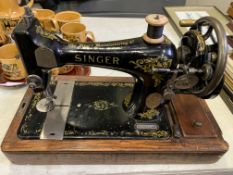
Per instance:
(210,59)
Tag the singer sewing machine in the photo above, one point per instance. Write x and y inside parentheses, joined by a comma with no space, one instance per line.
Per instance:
(138,114)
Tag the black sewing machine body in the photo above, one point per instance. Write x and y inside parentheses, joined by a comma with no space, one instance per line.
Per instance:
(133,56)
(111,114)
(119,109)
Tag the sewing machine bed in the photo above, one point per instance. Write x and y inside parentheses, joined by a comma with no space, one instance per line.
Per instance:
(95,112)
(96,123)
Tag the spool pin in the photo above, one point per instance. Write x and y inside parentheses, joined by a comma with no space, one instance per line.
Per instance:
(155,28)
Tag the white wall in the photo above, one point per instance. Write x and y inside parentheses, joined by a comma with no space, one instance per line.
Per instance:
(220,4)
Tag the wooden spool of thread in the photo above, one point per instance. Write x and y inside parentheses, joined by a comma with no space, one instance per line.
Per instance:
(155,28)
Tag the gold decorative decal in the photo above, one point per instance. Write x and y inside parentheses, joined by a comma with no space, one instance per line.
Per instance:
(28,117)
(159,134)
(149,114)
(114,84)
(97,45)
(127,100)
(45,33)
(115,44)
(149,64)
(157,79)
(102,105)
(36,99)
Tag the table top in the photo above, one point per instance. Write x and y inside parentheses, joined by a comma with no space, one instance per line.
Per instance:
(106,29)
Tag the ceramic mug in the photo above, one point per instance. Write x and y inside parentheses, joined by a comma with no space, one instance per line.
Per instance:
(11,13)
(61,19)
(12,65)
(76,32)
(67,16)
(8,23)
(12,6)
(62,70)
(4,39)
(46,19)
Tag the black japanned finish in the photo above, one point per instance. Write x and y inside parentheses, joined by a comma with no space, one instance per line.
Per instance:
(133,56)
(99,115)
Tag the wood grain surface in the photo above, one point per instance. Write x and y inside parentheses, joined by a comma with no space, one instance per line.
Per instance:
(184,110)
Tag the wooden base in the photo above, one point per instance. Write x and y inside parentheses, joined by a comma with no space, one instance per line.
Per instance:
(189,116)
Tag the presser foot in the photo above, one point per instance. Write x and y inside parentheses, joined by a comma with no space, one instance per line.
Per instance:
(45,105)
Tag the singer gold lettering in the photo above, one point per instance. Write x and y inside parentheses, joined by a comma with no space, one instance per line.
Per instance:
(97,59)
